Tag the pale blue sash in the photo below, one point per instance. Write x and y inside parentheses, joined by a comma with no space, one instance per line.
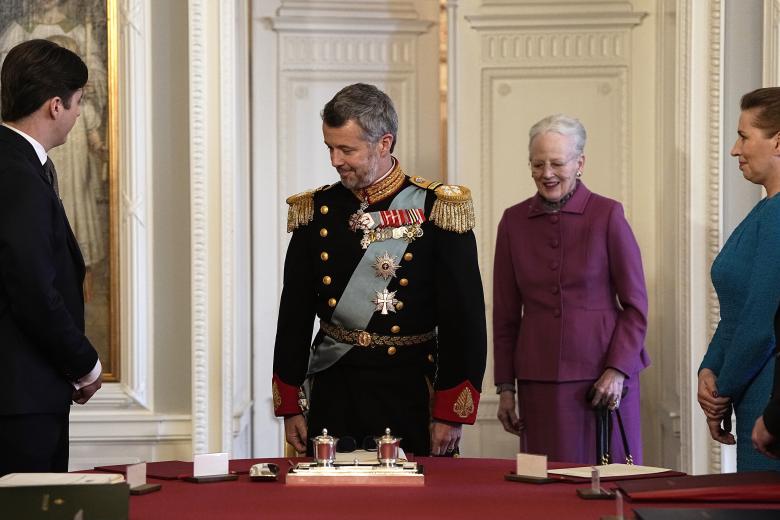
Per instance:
(355,308)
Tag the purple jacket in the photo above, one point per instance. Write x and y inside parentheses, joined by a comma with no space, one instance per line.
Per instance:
(557,282)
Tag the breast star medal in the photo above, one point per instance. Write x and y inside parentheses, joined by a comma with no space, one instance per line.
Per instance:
(386,266)
(385,301)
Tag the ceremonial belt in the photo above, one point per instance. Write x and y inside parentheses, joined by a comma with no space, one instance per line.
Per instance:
(355,307)
(362,338)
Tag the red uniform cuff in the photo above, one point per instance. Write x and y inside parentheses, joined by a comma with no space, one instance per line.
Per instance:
(458,404)
(285,398)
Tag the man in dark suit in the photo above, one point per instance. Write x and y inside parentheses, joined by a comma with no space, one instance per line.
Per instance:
(766,430)
(46,361)
(388,262)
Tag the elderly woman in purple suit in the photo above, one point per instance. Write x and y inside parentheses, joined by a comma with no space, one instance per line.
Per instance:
(569,307)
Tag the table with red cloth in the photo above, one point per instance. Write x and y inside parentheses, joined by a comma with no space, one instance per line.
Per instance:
(454,488)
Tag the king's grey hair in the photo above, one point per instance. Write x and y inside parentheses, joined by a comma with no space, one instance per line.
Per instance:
(368,106)
(560,124)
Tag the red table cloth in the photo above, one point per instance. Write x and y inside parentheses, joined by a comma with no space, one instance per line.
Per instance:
(454,488)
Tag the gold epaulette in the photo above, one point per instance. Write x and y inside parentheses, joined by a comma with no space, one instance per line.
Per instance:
(301,210)
(453,209)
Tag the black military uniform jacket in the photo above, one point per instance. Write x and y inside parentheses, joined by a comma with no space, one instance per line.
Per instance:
(434,286)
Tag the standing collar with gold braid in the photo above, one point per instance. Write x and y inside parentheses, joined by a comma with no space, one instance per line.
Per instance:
(384,188)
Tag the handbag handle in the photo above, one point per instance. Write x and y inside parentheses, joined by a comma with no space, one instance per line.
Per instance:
(604,428)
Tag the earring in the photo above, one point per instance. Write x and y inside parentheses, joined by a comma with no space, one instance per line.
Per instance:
(579,173)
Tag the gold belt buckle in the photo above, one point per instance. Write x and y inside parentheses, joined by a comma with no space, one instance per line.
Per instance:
(364,338)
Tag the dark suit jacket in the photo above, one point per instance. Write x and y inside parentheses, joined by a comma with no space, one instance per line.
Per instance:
(772,412)
(42,343)
(555,283)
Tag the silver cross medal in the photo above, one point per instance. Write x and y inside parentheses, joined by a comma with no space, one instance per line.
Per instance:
(385,301)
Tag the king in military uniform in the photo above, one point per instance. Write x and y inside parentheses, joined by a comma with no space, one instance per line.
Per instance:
(388,263)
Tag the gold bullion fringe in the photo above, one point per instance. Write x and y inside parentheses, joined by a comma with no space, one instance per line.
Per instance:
(301,210)
(453,209)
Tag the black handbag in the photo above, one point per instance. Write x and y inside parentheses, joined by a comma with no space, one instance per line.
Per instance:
(604,427)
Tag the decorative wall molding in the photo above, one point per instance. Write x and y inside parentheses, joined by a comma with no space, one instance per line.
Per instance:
(100,427)
(683,94)
(133,182)
(218,168)
(366,17)
(699,90)
(200,237)
(339,52)
(519,16)
(547,47)
(615,83)
(228,51)
(771,43)
(714,166)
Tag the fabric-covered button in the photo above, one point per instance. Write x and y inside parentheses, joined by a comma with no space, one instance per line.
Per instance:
(557,312)
(554,219)
(553,265)
(554,243)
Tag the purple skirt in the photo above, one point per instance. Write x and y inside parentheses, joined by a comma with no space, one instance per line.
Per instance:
(560,424)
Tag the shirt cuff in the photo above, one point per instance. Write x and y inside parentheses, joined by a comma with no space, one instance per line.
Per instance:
(89,378)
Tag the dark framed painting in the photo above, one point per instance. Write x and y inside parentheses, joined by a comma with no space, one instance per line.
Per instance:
(86,163)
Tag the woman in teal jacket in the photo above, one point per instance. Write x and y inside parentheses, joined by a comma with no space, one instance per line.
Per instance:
(738,366)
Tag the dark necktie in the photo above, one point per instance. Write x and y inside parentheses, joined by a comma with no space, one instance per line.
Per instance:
(51,174)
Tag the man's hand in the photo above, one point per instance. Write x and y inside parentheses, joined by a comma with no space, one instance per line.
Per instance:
(295,432)
(82,395)
(608,390)
(445,437)
(763,441)
(714,406)
(507,413)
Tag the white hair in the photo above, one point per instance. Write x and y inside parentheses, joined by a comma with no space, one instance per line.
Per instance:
(560,124)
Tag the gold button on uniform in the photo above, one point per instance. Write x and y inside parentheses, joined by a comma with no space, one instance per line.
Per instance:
(332,302)
(323,232)
(430,358)
(395,329)
(326,280)
(399,305)
(408,256)
(324,210)
(324,256)
(391,351)
(403,282)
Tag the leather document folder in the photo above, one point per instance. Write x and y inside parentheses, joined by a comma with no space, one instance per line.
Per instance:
(94,501)
(706,514)
(748,486)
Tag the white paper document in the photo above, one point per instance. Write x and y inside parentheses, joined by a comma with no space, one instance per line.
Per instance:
(211,464)
(531,465)
(609,471)
(59,479)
